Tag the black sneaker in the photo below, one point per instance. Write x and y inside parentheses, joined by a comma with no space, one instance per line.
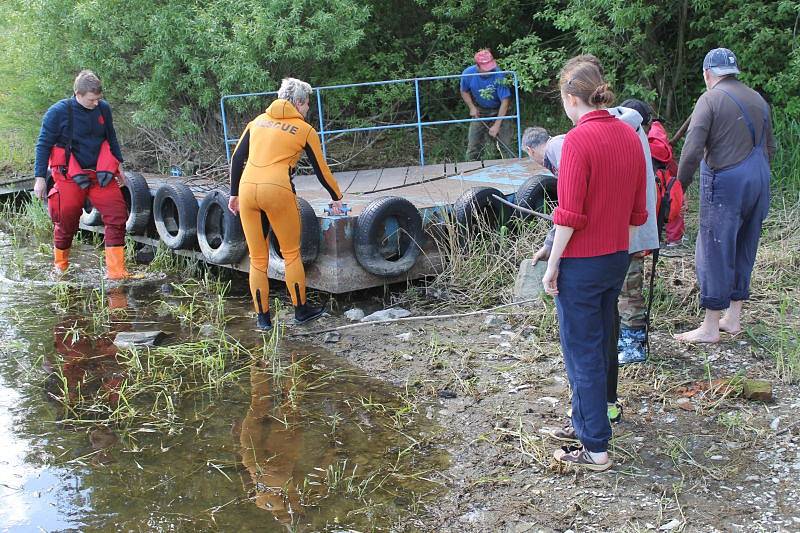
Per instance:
(263,321)
(306,313)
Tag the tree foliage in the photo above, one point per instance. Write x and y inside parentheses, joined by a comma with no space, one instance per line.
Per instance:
(171,60)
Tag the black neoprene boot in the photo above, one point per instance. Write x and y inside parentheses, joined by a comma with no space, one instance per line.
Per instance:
(263,321)
(306,313)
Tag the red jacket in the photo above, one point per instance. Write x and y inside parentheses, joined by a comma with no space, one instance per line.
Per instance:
(601,185)
(660,148)
(666,175)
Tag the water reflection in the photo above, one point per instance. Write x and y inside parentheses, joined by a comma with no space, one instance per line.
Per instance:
(272,439)
(317,449)
(83,366)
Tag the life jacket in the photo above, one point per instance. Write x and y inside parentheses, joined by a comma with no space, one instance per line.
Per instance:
(669,191)
(63,165)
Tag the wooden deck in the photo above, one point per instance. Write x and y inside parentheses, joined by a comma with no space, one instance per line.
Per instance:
(425,186)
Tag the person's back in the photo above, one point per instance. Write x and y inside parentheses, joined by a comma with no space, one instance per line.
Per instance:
(608,154)
(277,138)
(731,126)
(719,130)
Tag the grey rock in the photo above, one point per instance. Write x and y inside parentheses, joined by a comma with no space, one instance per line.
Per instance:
(387,314)
(354,314)
(207,330)
(331,337)
(528,285)
(405,337)
(145,255)
(523,527)
(672,524)
(129,339)
(492,320)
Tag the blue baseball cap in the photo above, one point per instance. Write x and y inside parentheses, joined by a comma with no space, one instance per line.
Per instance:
(721,62)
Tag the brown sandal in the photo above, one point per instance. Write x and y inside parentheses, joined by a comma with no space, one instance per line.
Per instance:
(579,457)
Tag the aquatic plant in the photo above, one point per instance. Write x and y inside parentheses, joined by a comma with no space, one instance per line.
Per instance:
(198,302)
(26,221)
(167,261)
(152,381)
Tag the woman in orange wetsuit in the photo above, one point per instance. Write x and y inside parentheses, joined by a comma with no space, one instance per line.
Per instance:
(261,182)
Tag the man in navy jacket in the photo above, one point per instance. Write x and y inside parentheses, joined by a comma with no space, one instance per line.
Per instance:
(78,145)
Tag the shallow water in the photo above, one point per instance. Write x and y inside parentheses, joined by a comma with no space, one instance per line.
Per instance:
(298,441)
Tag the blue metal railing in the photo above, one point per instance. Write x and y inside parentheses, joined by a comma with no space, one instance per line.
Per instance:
(418,124)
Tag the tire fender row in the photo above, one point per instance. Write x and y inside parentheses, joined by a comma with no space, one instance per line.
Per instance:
(388,235)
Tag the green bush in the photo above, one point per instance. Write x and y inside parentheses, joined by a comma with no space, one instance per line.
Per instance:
(165,64)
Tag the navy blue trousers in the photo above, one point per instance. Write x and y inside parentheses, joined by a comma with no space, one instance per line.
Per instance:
(588,288)
(733,205)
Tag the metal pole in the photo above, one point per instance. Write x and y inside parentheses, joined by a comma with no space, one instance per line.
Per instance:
(225,129)
(419,125)
(543,216)
(321,123)
(519,112)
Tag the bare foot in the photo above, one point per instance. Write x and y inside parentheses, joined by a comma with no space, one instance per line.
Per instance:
(698,335)
(734,327)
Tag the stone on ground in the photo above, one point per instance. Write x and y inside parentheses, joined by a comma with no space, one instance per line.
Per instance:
(387,314)
(529,280)
(354,314)
(129,339)
(758,390)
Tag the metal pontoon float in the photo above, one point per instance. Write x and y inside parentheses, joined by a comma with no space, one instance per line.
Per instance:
(432,189)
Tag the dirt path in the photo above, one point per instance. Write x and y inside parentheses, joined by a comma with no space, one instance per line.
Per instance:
(686,459)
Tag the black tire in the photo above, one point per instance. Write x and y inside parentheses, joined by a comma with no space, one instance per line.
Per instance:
(219,232)
(175,213)
(371,228)
(139,201)
(90,216)
(478,204)
(309,238)
(537,193)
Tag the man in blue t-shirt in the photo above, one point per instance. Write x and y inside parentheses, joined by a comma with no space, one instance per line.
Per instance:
(486,94)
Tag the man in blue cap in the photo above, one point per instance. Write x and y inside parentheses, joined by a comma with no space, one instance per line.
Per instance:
(731,132)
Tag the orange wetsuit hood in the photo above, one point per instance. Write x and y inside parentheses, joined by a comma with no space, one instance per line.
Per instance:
(271,146)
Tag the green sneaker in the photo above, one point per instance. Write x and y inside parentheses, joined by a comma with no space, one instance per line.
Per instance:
(614,413)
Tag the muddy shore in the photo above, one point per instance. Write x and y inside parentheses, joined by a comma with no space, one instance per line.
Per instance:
(687,457)
(433,425)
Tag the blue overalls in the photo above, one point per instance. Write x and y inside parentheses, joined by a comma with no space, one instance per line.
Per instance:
(734,202)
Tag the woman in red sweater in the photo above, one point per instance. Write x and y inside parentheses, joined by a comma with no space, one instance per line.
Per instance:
(601,195)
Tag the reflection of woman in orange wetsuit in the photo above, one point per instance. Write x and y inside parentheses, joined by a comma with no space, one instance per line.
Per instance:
(261,182)
(270,449)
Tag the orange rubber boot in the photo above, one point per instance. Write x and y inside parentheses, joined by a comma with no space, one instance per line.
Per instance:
(61,261)
(115,262)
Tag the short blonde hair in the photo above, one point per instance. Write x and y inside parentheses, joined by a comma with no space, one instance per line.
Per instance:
(294,90)
(87,82)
